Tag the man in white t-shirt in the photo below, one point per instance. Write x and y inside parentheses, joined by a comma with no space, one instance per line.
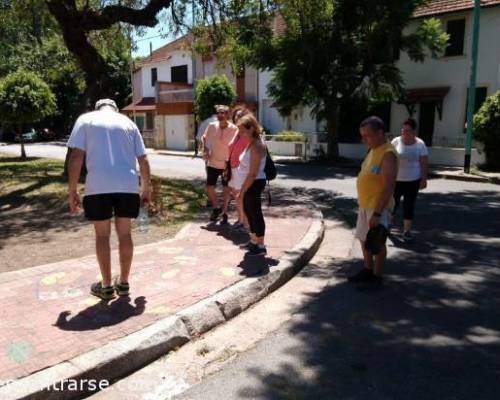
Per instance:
(111,144)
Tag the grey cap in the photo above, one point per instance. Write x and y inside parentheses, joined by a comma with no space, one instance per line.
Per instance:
(105,102)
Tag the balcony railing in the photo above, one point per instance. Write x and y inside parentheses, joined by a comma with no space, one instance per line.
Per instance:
(175,96)
(171,92)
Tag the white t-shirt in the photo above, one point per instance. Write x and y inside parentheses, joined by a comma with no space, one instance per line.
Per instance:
(409,159)
(112,143)
(240,174)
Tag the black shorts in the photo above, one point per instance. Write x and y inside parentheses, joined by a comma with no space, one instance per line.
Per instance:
(212,176)
(101,207)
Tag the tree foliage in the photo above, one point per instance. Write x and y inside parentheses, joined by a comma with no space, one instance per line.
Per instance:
(31,39)
(330,52)
(211,91)
(487,130)
(25,99)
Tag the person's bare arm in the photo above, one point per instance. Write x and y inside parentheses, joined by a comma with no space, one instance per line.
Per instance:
(424,167)
(145,171)
(389,173)
(204,138)
(74,169)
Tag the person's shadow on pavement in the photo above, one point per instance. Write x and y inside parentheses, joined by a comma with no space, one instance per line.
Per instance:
(101,314)
(226,231)
(256,265)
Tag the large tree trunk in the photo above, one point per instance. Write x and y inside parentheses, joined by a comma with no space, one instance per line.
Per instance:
(21,142)
(76,24)
(332,127)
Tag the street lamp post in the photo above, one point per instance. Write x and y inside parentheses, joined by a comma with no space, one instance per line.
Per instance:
(472,86)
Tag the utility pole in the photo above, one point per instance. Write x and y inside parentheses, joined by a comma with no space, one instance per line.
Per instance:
(472,86)
(193,70)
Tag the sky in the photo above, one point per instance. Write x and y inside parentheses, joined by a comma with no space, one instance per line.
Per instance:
(151,35)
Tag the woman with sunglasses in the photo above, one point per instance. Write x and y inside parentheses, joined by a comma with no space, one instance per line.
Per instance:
(252,178)
(236,148)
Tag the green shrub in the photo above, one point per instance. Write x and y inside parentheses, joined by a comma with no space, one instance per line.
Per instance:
(289,136)
(487,130)
(210,92)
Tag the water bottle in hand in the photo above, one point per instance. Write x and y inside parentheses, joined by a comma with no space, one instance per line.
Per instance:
(143,220)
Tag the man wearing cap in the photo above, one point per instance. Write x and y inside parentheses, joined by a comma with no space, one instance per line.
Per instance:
(375,184)
(111,145)
(215,143)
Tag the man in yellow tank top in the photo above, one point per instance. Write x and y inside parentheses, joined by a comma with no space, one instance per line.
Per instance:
(376,182)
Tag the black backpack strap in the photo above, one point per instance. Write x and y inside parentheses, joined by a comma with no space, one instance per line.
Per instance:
(269,200)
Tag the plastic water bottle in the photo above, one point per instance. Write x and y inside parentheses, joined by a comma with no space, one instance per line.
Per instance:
(143,220)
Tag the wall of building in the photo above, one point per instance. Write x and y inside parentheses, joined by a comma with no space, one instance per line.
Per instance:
(251,84)
(137,85)
(159,135)
(454,72)
(299,120)
(177,58)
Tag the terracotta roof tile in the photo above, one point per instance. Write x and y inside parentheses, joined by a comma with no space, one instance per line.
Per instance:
(437,7)
(162,53)
(145,104)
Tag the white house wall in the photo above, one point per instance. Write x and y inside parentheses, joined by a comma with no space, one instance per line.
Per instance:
(300,119)
(177,58)
(455,73)
(137,85)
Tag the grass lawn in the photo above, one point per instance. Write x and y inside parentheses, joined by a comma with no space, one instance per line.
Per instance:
(36,226)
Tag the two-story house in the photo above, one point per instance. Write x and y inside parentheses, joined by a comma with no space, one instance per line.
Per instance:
(437,89)
(163,93)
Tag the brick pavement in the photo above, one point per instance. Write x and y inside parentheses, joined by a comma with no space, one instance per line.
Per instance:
(48,315)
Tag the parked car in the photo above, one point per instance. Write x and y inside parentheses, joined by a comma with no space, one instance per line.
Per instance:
(28,137)
(47,134)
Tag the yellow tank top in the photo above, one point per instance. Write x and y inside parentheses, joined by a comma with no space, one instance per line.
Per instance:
(370,183)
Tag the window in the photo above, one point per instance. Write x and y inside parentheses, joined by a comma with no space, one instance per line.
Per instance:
(481,93)
(456,30)
(150,118)
(154,76)
(179,74)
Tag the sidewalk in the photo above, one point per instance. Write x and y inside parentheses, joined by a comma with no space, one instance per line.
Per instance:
(190,154)
(48,316)
(458,173)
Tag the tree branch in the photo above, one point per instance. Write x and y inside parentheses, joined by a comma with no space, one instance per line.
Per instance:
(110,15)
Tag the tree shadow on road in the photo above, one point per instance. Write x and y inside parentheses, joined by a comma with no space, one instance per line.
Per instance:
(432,332)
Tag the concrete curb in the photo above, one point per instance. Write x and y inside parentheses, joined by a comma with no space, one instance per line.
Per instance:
(123,356)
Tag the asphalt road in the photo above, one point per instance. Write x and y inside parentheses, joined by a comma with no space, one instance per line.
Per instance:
(432,332)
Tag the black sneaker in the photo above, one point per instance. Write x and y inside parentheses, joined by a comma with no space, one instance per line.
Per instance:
(224,219)
(375,282)
(257,250)
(105,293)
(247,246)
(121,288)
(362,276)
(215,214)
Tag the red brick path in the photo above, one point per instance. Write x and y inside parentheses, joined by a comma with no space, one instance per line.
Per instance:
(47,315)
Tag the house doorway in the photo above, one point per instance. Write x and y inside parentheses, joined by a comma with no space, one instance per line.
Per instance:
(426,122)
(176,132)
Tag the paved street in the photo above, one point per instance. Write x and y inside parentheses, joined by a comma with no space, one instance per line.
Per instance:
(432,333)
